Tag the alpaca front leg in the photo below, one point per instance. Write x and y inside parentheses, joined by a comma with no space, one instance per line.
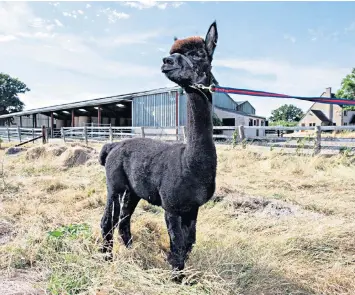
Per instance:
(176,257)
(128,203)
(188,225)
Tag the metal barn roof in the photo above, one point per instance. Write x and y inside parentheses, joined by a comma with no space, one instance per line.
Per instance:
(91,102)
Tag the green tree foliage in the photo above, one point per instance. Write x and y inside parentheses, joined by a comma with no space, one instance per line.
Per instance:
(283,123)
(286,113)
(347,89)
(9,89)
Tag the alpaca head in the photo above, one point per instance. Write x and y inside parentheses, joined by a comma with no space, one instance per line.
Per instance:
(191,58)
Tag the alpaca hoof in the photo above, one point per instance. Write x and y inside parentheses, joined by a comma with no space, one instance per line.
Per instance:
(108,256)
(128,243)
(107,252)
(177,276)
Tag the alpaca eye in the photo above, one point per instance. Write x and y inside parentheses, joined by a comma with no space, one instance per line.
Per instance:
(201,54)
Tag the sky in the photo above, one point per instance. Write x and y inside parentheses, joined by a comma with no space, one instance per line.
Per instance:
(72,51)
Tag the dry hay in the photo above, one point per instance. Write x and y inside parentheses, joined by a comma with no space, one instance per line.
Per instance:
(6,230)
(71,155)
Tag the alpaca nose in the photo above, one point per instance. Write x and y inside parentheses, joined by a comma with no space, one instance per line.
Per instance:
(168,60)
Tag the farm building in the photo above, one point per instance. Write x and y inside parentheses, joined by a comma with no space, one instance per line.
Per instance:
(164,107)
(320,114)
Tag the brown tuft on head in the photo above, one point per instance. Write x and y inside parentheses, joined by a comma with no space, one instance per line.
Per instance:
(186,44)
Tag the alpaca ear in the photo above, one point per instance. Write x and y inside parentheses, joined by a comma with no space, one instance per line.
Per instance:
(175,38)
(211,39)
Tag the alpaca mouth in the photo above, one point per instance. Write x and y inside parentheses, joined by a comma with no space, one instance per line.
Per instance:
(166,69)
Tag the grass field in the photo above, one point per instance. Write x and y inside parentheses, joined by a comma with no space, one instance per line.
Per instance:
(278,224)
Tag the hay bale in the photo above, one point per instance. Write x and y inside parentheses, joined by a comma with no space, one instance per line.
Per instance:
(35,153)
(75,156)
(56,151)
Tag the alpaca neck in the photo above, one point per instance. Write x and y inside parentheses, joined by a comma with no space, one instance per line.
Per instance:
(200,144)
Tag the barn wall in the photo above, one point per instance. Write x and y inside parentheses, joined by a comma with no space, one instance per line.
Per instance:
(156,110)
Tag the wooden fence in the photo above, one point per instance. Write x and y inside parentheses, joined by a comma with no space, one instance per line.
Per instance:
(315,139)
(19,134)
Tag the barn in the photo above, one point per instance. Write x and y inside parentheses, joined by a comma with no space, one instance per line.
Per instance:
(163,107)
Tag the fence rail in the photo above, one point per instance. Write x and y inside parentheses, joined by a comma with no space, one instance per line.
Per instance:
(308,138)
(19,134)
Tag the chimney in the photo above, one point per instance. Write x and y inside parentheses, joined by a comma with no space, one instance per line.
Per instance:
(328,94)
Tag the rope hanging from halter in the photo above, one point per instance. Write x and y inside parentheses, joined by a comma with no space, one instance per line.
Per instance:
(239,91)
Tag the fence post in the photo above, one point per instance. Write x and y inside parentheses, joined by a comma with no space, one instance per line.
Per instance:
(19,133)
(63,135)
(317,145)
(110,134)
(86,134)
(44,134)
(8,134)
(142,132)
(241,135)
(241,132)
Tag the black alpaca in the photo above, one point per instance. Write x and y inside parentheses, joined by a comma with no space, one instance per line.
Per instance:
(178,177)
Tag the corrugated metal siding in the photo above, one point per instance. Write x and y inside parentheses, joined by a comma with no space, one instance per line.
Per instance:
(159,110)
(224,101)
(155,110)
(182,110)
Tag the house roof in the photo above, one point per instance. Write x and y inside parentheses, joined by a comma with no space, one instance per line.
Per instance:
(239,112)
(310,109)
(321,116)
(240,102)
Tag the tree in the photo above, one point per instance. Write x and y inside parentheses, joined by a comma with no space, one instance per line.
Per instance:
(286,113)
(347,89)
(9,89)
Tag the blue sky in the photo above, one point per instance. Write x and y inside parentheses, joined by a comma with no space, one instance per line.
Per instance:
(70,51)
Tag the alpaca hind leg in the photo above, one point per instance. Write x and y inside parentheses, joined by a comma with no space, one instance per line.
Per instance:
(188,225)
(177,243)
(107,223)
(128,203)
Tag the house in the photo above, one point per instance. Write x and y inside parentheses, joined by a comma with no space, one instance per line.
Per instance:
(321,114)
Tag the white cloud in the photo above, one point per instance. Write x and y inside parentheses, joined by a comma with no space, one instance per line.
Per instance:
(146,4)
(88,5)
(127,39)
(280,77)
(7,38)
(58,23)
(350,28)
(177,4)
(65,59)
(113,15)
(290,38)
(80,11)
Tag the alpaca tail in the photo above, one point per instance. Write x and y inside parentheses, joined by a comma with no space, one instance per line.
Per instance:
(106,149)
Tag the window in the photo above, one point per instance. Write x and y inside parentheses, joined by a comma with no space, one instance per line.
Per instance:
(312,124)
(345,123)
(228,122)
(250,122)
(334,124)
(345,113)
